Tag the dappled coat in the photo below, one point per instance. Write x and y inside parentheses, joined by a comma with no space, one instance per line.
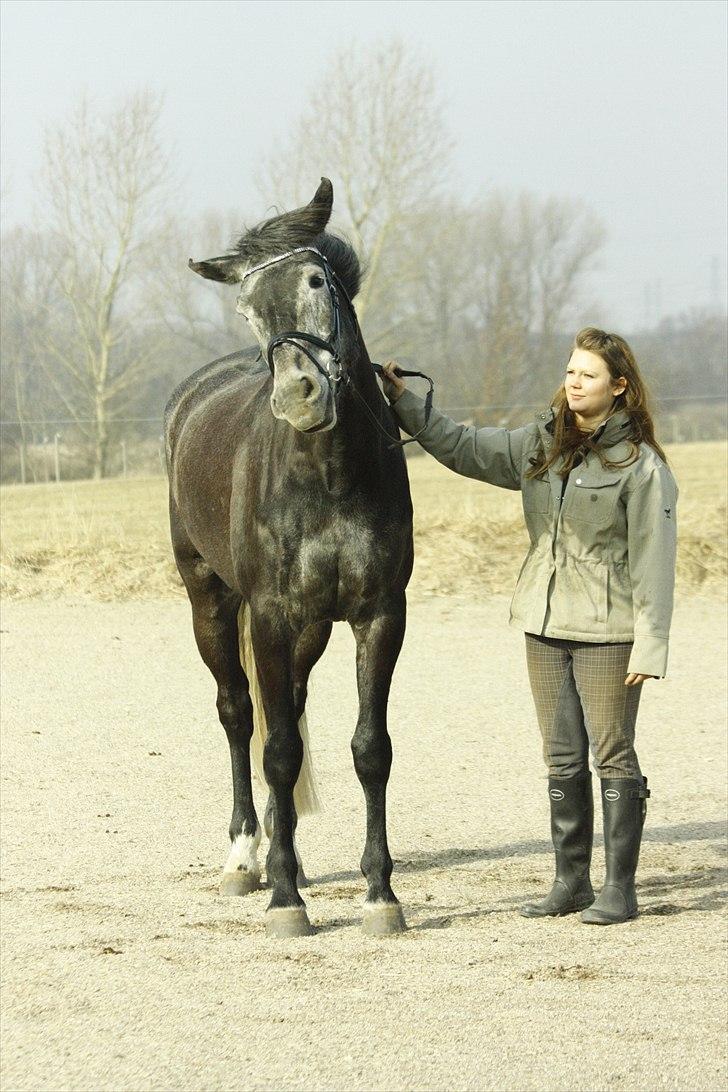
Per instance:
(601,564)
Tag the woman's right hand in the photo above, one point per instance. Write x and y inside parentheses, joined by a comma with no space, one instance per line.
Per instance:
(394,385)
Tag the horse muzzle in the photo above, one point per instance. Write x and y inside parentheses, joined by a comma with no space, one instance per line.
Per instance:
(304,400)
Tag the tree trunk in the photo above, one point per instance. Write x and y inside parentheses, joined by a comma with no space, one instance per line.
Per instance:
(101,439)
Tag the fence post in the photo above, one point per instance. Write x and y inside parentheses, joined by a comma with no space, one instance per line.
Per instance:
(675,430)
(56,457)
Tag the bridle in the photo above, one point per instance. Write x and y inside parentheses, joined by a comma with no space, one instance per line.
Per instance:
(335,373)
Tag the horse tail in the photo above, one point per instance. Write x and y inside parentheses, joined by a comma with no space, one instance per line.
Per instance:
(305,797)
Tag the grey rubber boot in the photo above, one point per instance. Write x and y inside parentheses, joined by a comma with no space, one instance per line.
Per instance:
(572,832)
(624,806)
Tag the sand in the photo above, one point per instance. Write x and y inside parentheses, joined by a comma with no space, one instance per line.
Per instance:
(124,969)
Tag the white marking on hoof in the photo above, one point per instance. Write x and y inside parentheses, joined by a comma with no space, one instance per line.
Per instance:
(241,873)
(383,918)
(239,883)
(288,921)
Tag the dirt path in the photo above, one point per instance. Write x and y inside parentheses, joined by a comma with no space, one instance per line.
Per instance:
(123,969)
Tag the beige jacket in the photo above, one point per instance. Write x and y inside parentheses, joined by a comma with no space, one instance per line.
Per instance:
(601,565)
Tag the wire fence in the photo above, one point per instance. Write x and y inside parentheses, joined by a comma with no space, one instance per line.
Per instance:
(51,449)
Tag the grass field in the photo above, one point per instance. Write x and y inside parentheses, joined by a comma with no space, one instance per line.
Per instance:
(109,540)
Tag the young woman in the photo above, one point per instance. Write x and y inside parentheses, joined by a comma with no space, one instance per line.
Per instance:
(594,595)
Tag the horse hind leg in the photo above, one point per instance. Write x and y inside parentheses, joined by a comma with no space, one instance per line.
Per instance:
(214,618)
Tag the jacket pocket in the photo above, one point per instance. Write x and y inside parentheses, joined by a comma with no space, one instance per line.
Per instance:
(593,501)
(521,591)
(536,495)
(582,594)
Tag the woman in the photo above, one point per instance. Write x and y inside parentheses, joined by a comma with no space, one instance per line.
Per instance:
(594,595)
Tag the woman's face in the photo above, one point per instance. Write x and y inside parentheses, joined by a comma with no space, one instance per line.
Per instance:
(590,389)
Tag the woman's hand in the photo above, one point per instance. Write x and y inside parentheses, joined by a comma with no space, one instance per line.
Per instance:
(394,386)
(633,679)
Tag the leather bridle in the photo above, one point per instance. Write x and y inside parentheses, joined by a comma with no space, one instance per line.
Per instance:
(335,373)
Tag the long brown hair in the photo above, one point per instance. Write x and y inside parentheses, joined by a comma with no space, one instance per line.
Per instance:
(570,443)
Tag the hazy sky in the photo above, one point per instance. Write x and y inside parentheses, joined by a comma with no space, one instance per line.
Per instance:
(622,104)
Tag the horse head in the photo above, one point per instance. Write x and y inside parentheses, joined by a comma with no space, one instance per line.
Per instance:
(296,283)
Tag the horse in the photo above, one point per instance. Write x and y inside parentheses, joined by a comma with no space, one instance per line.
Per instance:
(290,509)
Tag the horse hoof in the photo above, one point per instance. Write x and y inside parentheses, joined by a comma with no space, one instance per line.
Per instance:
(239,883)
(383,918)
(288,921)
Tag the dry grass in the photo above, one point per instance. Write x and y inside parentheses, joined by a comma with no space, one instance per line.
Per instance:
(109,540)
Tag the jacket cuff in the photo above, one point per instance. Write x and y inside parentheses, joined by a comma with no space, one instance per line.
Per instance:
(649,656)
(410,410)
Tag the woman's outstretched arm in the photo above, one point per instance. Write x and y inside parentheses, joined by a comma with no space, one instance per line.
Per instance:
(493,455)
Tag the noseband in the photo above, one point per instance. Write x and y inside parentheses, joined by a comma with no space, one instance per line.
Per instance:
(334,374)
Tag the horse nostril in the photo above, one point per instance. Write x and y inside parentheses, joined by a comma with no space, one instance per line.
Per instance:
(306,387)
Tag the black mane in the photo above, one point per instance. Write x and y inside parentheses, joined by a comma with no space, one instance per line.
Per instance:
(343,260)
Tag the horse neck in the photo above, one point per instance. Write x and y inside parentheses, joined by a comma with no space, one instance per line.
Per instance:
(353,451)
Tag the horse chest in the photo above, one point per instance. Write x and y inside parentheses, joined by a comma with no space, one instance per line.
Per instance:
(325,571)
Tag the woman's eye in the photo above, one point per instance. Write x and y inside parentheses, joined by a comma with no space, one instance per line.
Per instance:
(316,281)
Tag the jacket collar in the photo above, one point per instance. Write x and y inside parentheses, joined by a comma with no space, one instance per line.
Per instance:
(612,431)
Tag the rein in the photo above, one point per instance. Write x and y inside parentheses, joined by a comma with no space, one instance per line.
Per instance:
(337,374)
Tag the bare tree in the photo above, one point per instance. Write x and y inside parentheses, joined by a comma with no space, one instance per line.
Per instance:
(375,126)
(529,258)
(105,191)
(481,294)
(199,317)
(26,276)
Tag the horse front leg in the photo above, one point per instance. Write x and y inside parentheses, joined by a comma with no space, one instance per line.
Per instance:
(309,649)
(273,644)
(215,622)
(378,643)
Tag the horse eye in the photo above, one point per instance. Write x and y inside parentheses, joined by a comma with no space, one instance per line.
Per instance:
(316,281)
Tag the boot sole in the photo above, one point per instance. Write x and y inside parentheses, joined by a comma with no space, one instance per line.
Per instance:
(556,913)
(609,921)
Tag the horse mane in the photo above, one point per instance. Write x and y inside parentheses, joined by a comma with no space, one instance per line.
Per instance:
(282,233)
(343,260)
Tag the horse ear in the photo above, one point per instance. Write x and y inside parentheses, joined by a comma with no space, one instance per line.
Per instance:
(324,195)
(227,269)
(295,228)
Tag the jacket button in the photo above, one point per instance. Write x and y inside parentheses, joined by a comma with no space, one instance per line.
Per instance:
(578,481)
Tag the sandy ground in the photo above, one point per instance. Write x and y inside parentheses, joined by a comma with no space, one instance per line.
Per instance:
(123,968)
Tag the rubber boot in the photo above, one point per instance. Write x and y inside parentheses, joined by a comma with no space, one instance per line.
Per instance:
(624,806)
(572,832)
